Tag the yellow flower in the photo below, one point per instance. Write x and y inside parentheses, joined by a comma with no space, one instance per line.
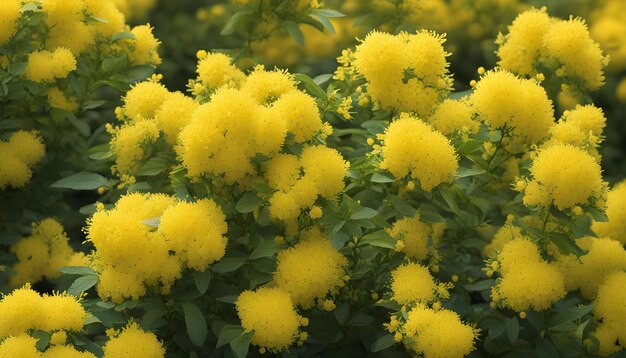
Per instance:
(414,236)
(454,116)
(45,66)
(406,72)
(270,314)
(145,46)
(615,228)
(564,176)
(412,147)
(216,70)
(133,342)
(412,283)
(302,274)
(9,13)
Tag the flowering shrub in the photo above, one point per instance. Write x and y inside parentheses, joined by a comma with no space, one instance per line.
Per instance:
(379,207)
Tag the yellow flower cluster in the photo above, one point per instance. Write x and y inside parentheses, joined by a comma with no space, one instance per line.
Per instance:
(43,253)
(246,121)
(505,233)
(9,13)
(307,278)
(610,308)
(17,157)
(215,70)
(187,235)
(319,171)
(454,116)
(608,27)
(502,99)
(133,342)
(589,271)
(58,99)
(615,228)
(24,310)
(46,66)
(527,281)
(413,283)
(271,315)
(405,72)
(145,46)
(418,238)
(581,127)
(434,333)
(412,147)
(565,176)
(535,41)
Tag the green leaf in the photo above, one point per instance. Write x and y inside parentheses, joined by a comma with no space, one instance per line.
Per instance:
(379,178)
(325,22)
(241,344)
(267,248)
(364,214)
(568,316)
(227,334)
(139,73)
(480,285)
(228,264)
(82,284)
(202,279)
(154,222)
(469,172)
(78,270)
(235,19)
(328,13)
(81,181)
(598,215)
(294,31)
(154,166)
(565,244)
(400,205)
(511,326)
(339,239)
(379,238)
(195,323)
(123,35)
(248,203)
(310,85)
(383,342)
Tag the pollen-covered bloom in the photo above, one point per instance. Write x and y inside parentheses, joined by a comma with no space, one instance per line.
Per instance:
(45,66)
(133,342)
(17,157)
(216,70)
(502,99)
(437,333)
(615,227)
(454,116)
(413,283)
(535,42)
(416,236)
(527,281)
(610,308)
(413,148)
(305,276)
(318,172)
(24,309)
(565,176)
(43,253)
(271,315)
(405,72)
(604,256)
(119,233)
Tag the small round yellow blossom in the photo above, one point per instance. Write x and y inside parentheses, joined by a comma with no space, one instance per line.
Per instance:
(57,99)
(130,143)
(17,157)
(610,308)
(315,212)
(439,333)
(615,227)
(144,99)
(301,114)
(195,232)
(270,314)
(412,147)
(58,338)
(9,13)
(412,283)
(133,342)
(302,274)
(404,71)
(145,46)
(452,116)
(527,110)
(19,346)
(589,271)
(414,235)
(589,119)
(45,66)
(216,70)
(174,114)
(268,86)
(564,176)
